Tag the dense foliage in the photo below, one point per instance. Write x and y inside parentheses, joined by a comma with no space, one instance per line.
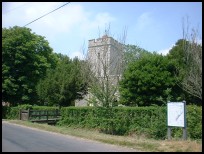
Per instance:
(150,121)
(25,59)
(62,85)
(149,80)
(133,53)
(187,57)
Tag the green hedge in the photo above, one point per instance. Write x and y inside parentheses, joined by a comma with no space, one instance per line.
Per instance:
(150,121)
(4,111)
(13,112)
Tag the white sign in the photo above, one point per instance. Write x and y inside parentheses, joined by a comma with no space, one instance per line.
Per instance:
(175,114)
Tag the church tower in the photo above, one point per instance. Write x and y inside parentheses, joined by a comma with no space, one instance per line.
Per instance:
(105,54)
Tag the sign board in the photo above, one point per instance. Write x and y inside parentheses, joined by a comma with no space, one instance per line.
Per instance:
(176,114)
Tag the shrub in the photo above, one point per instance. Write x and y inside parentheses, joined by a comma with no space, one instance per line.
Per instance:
(151,121)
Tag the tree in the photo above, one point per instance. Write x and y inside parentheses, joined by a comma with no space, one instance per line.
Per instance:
(177,56)
(133,53)
(192,81)
(63,84)
(187,53)
(149,80)
(25,59)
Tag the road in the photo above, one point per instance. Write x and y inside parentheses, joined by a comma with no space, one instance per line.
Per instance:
(17,138)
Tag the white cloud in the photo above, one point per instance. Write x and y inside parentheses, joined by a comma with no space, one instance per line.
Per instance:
(100,20)
(76,54)
(8,7)
(63,20)
(165,51)
(144,20)
(70,21)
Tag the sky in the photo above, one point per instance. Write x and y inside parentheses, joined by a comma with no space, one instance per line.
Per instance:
(153,26)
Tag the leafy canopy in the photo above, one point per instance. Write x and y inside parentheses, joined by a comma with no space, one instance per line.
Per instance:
(25,59)
(62,85)
(149,80)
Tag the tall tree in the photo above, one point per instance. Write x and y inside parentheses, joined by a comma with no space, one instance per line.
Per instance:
(192,81)
(177,56)
(25,59)
(187,53)
(149,80)
(62,85)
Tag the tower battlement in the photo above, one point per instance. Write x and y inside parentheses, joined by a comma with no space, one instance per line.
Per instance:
(102,41)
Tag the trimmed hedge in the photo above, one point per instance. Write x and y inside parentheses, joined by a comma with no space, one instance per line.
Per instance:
(151,121)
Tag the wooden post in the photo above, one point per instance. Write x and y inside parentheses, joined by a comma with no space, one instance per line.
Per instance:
(168,127)
(55,113)
(184,133)
(169,133)
(184,128)
(39,114)
(47,115)
(28,114)
(20,114)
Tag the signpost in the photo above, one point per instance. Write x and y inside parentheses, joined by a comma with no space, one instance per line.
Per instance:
(176,117)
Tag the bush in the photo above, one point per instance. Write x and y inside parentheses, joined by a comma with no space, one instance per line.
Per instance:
(5,110)
(13,112)
(151,121)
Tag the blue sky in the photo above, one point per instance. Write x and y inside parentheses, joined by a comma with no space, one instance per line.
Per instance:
(154,26)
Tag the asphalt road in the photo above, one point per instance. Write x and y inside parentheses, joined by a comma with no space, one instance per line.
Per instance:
(16,138)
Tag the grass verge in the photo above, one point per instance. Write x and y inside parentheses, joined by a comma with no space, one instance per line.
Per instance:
(140,143)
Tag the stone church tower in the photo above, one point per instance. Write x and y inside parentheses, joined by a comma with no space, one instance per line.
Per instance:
(105,55)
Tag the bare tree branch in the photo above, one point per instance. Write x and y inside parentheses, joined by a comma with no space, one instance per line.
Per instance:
(192,82)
